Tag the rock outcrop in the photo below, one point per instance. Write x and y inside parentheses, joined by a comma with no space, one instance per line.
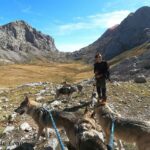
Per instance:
(133,67)
(19,42)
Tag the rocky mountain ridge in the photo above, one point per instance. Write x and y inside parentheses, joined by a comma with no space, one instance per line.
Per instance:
(19,42)
(21,32)
(133,31)
(132,64)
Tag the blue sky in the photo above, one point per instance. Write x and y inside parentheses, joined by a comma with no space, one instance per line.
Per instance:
(72,23)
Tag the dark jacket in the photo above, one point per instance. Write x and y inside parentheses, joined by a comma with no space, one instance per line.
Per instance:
(102,69)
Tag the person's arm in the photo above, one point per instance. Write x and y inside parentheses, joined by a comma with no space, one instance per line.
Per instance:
(94,68)
(94,84)
(108,71)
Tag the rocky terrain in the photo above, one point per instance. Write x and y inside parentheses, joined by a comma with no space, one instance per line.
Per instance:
(130,99)
(133,31)
(21,43)
(128,93)
(132,64)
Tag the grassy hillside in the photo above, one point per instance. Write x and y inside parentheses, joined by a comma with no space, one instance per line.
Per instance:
(130,53)
(16,74)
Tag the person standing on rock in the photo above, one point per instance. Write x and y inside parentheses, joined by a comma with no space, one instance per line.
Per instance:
(101,71)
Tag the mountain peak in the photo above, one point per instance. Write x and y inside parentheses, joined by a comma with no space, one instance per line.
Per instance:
(21,22)
(19,37)
(16,23)
(133,31)
(144,9)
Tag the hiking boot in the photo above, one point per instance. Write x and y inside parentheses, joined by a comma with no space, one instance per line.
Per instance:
(103,101)
(99,99)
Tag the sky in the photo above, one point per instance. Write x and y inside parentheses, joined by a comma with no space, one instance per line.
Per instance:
(73,24)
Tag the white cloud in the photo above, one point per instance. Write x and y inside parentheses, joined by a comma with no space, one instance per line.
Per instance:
(83,30)
(67,47)
(102,20)
(108,20)
(63,29)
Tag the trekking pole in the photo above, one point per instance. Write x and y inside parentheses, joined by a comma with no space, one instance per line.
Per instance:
(111,140)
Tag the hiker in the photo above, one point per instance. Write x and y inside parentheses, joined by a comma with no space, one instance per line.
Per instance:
(101,71)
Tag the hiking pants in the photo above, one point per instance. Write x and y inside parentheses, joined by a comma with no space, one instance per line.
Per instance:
(101,88)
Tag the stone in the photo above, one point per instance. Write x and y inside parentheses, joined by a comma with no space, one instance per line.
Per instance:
(4,99)
(8,129)
(140,79)
(12,117)
(40,98)
(25,127)
(12,147)
(56,103)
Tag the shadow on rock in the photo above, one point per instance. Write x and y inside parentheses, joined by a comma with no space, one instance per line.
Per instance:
(75,108)
(25,146)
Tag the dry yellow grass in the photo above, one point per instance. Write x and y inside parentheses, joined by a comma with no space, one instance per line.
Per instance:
(17,74)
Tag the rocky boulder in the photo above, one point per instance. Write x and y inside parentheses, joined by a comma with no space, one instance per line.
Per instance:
(135,68)
(140,79)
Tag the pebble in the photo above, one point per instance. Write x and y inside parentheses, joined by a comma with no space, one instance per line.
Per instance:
(8,129)
(25,127)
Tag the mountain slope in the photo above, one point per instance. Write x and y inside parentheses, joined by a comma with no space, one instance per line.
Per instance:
(19,42)
(131,63)
(133,31)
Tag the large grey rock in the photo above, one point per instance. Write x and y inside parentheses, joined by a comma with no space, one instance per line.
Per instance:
(140,79)
(134,71)
(130,69)
(8,129)
(25,127)
(11,147)
(19,42)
